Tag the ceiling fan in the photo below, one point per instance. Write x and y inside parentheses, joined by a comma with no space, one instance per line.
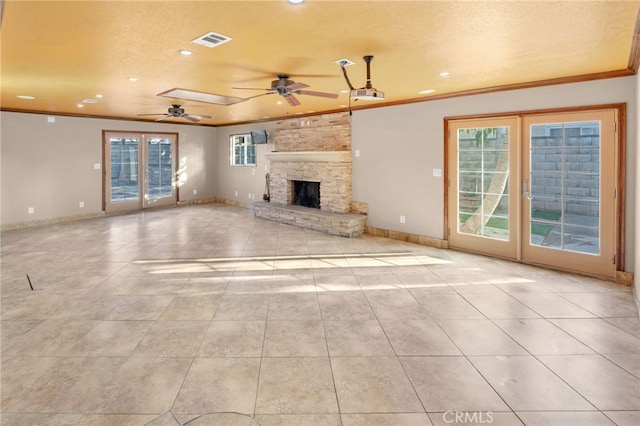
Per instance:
(287,89)
(176,111)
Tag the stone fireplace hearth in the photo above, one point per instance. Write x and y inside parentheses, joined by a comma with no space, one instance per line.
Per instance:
(315,150)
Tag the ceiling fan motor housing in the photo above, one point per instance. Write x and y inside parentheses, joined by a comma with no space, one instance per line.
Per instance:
(176,110)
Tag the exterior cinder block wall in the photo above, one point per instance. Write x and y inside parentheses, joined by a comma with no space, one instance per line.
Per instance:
(329,132)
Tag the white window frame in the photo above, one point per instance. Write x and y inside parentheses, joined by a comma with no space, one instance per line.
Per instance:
(247,155)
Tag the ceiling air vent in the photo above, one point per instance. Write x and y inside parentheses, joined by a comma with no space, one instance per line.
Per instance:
(211,39)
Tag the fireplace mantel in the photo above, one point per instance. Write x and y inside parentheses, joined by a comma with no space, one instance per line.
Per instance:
(310,156)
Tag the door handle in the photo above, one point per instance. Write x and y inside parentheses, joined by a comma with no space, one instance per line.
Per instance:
(525,189)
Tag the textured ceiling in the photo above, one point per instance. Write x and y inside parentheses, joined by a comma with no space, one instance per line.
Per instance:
(61,53)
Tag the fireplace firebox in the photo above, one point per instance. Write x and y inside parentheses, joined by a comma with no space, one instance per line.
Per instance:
(306,194)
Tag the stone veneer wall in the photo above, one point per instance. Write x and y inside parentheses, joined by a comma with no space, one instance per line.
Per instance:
(328,132)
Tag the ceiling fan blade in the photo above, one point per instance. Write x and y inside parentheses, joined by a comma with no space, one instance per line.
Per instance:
(321,94)
(199,116)
(293,101)
(142,115)
(249,88)
(296,86)
(257,96)
(190,118)
(163,118)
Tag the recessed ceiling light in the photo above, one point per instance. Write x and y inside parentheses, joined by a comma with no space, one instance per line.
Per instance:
(185,52)
(133,78)
(80,106)
(25,97)
(344,91)
(295,1)
(426,92)
(89,101)
(99,96)
(445,74)
(279,103)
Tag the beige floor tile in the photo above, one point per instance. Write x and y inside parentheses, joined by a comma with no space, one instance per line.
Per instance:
(552,305)
(500,306)
(628,362)
(373,385)
(246,307)
(140,308)
(216,385)
(347,305)
(296,386)
(118,419)
(299,420)
(600,335)
(450,384)
(564,418)
(395,304)
(480,337)
(111,338)
(294,307)
(172,339)
(356,338)
(605,304)
(20,372)
(50,338)
(604,384)
(68,386)
(525,384)
(408,419)
(624,418)
(20,419)
(142,385)
(628,324)
(295,338)
(195,308)
(418,337)
(473,418)
(117,298)
(446,306)
(540,337)
(233,339)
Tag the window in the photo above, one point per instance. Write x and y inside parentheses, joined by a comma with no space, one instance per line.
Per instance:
(243,151)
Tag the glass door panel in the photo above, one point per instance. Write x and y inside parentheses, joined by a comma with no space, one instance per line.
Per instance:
(160,182)
(569,187)
(482,154)
(139,171)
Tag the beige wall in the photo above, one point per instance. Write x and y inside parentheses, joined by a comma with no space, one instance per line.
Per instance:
(248,181)
(50,166)
(635,119)
(399,148)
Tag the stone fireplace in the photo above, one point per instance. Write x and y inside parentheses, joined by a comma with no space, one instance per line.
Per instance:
(315,150)
(305,193)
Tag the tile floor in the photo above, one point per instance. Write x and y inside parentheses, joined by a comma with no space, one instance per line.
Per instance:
(204,315)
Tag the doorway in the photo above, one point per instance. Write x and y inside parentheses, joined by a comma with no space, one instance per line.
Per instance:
(140,170)
(537,188)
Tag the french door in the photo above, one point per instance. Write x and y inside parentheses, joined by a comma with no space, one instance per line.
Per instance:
(536,188)
(140,170)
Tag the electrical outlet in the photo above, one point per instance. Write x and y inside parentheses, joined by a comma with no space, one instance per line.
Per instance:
(253,171)
(249,195)
(81,204)
(236,193)
(195,192)
(31,210)
(437,172)
(357,153)
(403,219)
